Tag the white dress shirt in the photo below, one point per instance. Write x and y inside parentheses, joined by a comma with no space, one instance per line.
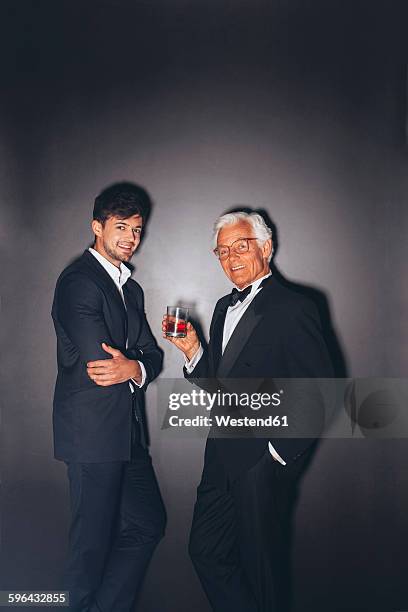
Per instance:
(232,318)
(119,277)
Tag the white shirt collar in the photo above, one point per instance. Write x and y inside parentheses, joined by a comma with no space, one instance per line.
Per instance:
(118,275)
(256,284)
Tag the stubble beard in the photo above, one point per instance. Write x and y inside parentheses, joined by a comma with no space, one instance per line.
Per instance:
(117,255)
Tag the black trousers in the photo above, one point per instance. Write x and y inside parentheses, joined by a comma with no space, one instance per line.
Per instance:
(117,519)
(241,538)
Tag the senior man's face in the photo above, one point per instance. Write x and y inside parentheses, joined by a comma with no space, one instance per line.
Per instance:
(244,268)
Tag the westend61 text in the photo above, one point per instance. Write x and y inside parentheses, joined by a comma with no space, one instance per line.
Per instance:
(221,398)
(227,421)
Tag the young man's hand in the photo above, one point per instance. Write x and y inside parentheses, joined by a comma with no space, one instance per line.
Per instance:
(119,369)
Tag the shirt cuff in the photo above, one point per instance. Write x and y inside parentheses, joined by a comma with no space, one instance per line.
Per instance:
(142,382)
(275,454)
(190,365)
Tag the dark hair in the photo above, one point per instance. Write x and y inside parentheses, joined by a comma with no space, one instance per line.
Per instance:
(122,200)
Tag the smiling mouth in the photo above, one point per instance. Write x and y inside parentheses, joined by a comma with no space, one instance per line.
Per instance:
(236,268)
(125,247)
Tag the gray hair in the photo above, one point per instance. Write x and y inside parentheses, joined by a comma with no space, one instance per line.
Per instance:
(261,231)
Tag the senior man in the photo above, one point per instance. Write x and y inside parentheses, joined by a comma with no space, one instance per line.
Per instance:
(240,536)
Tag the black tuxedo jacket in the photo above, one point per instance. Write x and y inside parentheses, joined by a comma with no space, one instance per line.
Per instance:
(93,423)
(278,337)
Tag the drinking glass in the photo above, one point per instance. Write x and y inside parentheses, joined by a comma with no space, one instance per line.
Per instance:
(176,325)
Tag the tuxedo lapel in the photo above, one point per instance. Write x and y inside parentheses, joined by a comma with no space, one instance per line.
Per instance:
(217,334)
(238,340)
(243,331)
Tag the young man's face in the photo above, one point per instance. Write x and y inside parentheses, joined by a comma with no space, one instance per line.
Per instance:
(117,239)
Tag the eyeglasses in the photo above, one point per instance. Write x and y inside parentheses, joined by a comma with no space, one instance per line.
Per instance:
(238,246)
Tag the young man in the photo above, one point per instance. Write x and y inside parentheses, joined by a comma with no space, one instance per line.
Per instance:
(261,332)
(106,358)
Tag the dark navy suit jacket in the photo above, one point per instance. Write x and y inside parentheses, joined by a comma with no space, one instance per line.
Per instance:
(93,423)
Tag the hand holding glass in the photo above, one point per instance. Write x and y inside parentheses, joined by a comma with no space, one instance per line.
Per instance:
(176,322)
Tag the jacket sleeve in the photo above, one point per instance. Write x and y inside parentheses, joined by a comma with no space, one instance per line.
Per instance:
(201,369)
(203,373)
(78,310)
(146,350)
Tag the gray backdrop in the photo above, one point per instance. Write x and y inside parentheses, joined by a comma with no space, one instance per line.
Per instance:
(294,107)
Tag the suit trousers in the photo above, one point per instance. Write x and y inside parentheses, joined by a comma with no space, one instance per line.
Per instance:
(117,519)
(240,538)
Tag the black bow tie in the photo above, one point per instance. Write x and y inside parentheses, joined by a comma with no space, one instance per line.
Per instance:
(239,296)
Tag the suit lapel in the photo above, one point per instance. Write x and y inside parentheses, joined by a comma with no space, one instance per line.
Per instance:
(104,280)
(133,315)
(243,331)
